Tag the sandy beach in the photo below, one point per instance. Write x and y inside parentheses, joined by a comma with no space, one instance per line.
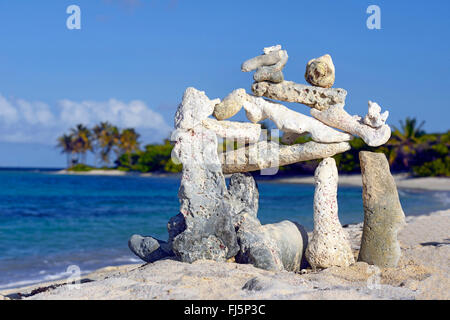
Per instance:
(402,181)
(421,274)
(113,173)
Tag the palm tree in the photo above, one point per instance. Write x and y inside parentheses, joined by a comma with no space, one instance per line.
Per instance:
(128,142)
(65,142)
(107,137)
(404,141)
(82,142)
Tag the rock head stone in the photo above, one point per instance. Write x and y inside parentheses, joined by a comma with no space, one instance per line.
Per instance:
(320,72)
(383,213)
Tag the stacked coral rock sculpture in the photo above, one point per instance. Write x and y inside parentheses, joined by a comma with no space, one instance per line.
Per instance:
(218,222)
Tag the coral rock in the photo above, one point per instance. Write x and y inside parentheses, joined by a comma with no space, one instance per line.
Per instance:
(149,249)
(314,97)
(264,155)
(268,66)
(287,120)
(383,213)
(231,105)
(275,247)
(374,117)
(243,131)
(320,72)
(337,117)
(329,244)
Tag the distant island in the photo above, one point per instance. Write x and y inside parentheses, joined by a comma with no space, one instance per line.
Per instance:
(409,150)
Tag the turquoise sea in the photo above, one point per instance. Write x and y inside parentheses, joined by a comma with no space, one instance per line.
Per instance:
(49,222)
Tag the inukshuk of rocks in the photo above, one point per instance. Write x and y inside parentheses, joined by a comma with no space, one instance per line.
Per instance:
(219,223)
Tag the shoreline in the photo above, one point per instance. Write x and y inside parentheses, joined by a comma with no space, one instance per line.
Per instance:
(420,238)
(114,173)
(403,181)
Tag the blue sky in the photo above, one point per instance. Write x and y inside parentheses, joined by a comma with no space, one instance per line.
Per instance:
(132,60)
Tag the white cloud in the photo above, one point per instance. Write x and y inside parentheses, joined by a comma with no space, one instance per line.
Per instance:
(7,112)
(25,121)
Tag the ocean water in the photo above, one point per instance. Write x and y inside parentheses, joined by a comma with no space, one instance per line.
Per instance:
(49,222)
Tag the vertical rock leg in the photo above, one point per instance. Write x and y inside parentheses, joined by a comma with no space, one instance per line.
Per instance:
(383,213)
(329,245)
(204,228)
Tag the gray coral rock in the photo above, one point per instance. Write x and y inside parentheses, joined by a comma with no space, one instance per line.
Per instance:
(383,213)
(207,230)
(268,73)
(244,197)
(268,66)
(149,249)
(274,247)
(291,239)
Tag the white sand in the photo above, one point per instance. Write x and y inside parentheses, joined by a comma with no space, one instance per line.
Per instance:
(113,173)
(423,273)
(402,181)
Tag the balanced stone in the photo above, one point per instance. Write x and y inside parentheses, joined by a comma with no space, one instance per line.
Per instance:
(320,72)
(383,213)
(329,245)
(265,155)
(314,97)
(268,66)
(272,56)
(337,117)
(287,120)
(244,131)
(268,73)
(231,105)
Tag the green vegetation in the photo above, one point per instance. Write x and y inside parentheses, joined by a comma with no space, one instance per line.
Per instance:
(409,149)
(154,157)
(105,140)
(102,140)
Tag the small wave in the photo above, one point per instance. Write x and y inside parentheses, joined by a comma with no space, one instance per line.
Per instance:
(402,193)
(443,197)
(127,259)
(47,278)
